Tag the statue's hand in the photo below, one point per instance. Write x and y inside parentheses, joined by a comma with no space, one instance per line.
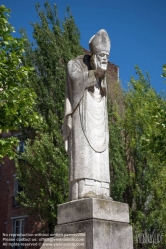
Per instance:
(99,73)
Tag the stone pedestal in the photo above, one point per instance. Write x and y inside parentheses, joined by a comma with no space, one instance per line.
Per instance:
(104,222)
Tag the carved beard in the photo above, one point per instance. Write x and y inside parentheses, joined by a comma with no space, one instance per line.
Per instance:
(101,65)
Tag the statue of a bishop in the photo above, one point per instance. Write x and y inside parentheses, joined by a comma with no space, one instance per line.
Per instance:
(85,128)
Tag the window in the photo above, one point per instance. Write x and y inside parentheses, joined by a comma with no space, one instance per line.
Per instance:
(17,190)
(20,147)
(18,230)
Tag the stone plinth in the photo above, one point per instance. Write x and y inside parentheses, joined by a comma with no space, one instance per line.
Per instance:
(105,223)
(92,208)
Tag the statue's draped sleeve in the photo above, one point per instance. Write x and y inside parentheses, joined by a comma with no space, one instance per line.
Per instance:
(77,80)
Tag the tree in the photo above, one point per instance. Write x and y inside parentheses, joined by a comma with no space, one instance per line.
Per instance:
(144,129)
(137,155)
(16,99)
(44,165)
(118,169)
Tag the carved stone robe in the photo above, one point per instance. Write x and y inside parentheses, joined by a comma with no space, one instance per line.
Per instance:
(85,128)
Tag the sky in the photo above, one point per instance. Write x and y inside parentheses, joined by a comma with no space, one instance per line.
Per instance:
(137,30)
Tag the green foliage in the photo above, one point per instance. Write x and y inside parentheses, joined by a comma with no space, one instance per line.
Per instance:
(144,126)
(55,43)
(16,99)
(42,170)
(118,167)
(137,155)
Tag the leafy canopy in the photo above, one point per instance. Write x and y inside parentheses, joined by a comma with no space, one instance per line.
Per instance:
(44,165)
(145,127)
(137,155)
(16,98)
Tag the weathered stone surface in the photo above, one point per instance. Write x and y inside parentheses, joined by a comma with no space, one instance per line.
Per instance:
(85,127)
(90,208)
(101,234)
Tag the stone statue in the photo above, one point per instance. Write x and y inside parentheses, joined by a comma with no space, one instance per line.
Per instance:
(85,128)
